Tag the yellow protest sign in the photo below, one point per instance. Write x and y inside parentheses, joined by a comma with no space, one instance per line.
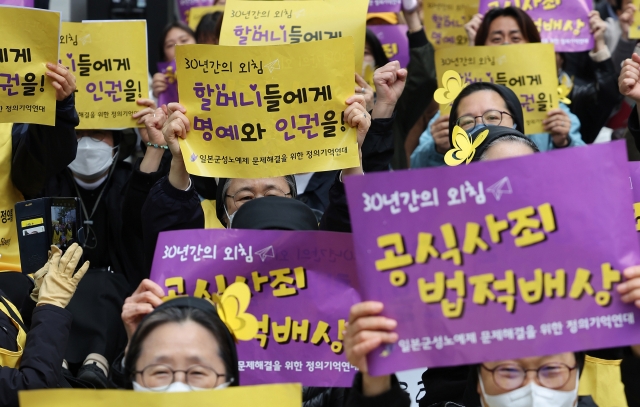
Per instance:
(528,69)
(109,60)
(444,21)
(274,395)
(26,94)
(196,14)
(267,111)
(634,29)
(293,22)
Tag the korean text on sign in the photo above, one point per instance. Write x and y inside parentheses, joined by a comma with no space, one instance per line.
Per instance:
(301,284)
(294,22)
(26,94)
(563,23)
(109,60)
(527,69)
(475,260)
(267,111)
(444,21)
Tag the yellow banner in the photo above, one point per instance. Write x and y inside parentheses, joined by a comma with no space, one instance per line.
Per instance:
(275,395)
(109,60)
(196,14)
(527,69)
(292,22)
(28,43)
(267,111)
(634,29)
(444,21)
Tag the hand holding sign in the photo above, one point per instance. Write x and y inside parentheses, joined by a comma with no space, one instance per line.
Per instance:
(626,20)
(472,27)
(159,84)
(598,28)
(629,76)
(363,87)
(143,301)
(175,128)
(63,80)
(440,133)
(558,125)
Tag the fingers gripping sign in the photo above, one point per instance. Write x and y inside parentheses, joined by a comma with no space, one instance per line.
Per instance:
(629,77)
(175,128)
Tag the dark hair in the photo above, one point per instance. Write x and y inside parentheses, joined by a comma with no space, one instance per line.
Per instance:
(376,49)
(169,27)
(206,30)
(510,99)
(525,23)
(179,314)
(511,138)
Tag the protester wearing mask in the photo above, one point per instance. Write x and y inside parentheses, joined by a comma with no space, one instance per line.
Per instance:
(33,360)
(500,27)
(29,155)
(163,349)
(97,177)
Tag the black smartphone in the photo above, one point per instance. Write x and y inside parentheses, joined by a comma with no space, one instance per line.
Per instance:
(44,222)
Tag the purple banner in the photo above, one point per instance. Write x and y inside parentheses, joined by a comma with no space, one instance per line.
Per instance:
(18,3)
(384,6)
(498,260)
(565,24)
(170,95)
(303,285)
(394,41)
(185,5)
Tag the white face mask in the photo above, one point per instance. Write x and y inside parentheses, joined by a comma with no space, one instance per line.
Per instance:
(230,217)
(176,387)
(93,158)
(531,395)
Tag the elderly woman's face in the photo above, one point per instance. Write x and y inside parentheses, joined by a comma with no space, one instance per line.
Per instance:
(475,105)
(558,373)
(180,347)
(242,190)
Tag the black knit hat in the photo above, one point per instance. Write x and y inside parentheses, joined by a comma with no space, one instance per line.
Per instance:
(275,213)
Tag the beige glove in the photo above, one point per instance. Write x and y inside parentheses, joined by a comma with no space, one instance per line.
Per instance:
(39,275)
(59,283)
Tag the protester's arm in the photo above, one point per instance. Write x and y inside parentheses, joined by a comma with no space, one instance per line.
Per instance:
(146,173)
(628,86)
(41,151)
(433,144)
(41,363)
(173,203)
(563,128)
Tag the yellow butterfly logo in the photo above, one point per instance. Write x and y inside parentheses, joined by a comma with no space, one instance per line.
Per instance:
(463,147)
(232,307)
(452,86)
(564,89)
(171,75)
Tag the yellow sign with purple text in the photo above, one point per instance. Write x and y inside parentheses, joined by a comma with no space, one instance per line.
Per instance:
(109,60)
(26,94)
(294,22)
(267,111)
(274,395)
(444,21)
(527,69)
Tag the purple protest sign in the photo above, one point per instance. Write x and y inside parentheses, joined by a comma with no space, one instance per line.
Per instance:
(303,285)
(634,179)
(394,41)
(17,3)
(565,24)
(185,5)
(384,6)
(170,95)
(498,260)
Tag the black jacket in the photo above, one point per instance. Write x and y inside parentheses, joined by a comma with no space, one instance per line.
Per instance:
(41,364)
(40,151)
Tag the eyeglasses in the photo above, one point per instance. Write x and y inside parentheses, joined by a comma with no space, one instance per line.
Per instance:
(243,196)
(510,377)
(160,377)
(489,118)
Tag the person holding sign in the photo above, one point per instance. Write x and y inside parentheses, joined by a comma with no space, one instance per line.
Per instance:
(176,33)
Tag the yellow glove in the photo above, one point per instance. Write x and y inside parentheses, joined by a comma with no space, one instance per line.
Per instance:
(39,275)
(59,284)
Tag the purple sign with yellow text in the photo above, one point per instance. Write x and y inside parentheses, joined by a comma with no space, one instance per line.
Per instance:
(394,42)
(563,23)
(185,5)
(384,6)
(302,284)
(498,260)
